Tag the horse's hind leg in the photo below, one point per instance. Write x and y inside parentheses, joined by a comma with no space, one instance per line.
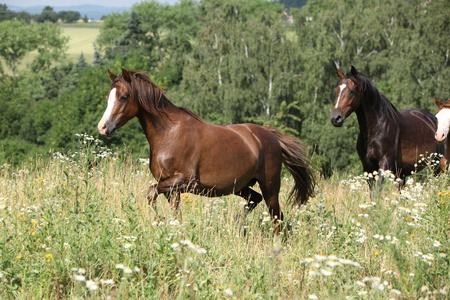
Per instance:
(253,198)
(270,194)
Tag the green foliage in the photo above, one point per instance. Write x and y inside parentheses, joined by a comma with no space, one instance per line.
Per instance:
(231,62)
(51,46)
(19,39)
(69,16)
(47,15)
(6,13)
(293,3)
(16,40)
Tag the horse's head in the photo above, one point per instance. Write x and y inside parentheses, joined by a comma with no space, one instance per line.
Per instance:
(443,120)
(348,94)
(121,104)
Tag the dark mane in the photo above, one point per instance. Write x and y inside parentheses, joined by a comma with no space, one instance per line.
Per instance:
(371,93)
(150,96)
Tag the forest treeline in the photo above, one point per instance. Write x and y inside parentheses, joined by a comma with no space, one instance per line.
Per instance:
(47,15)
(238,61)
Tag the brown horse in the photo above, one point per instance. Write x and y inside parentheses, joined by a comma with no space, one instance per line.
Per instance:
(388,139)
(188,154)
(443,125)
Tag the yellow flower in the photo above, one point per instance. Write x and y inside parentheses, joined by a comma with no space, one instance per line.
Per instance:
(185,198)
(444,193)
(49,256)
(18,257)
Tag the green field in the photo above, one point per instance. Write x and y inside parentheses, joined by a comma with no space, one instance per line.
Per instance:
(78,226)
(81,40)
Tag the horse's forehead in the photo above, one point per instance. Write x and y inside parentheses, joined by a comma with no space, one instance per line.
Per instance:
(351,82)
(443,114)
(119,86)
(346,82)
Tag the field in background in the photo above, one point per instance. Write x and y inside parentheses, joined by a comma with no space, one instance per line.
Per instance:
(78,226)
(82,38)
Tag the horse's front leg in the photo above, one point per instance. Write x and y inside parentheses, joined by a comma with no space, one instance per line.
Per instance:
(172,189)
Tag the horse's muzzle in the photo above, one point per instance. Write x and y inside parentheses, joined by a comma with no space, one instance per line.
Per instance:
(337,119)
(107,129)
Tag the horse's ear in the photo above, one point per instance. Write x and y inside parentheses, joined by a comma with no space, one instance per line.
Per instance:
(438,103)
(354,71)
(340,74)
(112,76)
(126,76)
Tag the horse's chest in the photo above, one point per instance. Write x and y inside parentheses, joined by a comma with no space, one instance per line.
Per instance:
(370,151)
(373,152)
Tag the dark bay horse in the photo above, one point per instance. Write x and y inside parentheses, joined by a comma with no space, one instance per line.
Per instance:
(188,154)
(443,126)
(388,139)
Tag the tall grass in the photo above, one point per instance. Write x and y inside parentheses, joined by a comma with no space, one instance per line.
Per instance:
(77,225)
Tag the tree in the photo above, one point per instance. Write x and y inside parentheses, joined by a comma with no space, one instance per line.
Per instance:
(243,66)
(50,45)
(16,40)
(69,16)
(81,62)
(47,14)
(293,3)
(98,59)
(6,13)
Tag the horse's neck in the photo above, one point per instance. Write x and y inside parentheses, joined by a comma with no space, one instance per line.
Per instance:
(367,118)
(155,124)
(371,118)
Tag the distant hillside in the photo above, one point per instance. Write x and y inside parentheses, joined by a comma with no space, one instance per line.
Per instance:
(91,11)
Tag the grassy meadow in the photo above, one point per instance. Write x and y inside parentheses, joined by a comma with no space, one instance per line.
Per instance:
(81,40)
(77,225)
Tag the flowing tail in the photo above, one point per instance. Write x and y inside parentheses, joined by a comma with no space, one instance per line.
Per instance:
(298,164)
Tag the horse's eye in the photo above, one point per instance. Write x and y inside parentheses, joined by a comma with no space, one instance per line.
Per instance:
(123,98)
(351,91)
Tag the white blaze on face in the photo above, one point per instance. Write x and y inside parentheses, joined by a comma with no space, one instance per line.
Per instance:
(341,88)
(111,100)
(443,118)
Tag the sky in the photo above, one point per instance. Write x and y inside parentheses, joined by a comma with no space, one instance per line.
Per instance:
(60,3)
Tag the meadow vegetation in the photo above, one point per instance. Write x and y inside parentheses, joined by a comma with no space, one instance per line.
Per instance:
(77,225)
